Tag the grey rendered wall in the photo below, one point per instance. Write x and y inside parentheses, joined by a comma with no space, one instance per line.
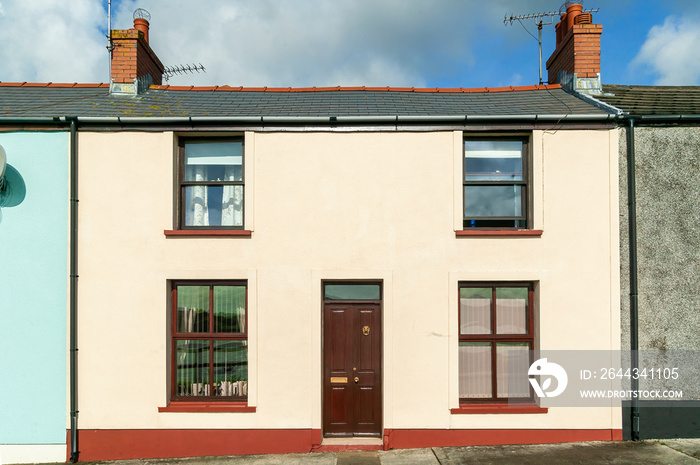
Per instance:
(668,237)
(668,247)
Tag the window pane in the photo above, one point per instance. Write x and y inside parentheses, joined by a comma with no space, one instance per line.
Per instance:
(231,368)
(351,292)
(512,363)
(484,201)
(192,360)
(475,310)
(213,161)
(475,379)
(192,309)
(229,309)
(493,160)
(511,310)
(213,206)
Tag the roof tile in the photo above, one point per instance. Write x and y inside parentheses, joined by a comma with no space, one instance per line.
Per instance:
(653,100)
(49,100)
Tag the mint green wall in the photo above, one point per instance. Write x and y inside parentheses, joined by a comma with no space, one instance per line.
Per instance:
(33,292)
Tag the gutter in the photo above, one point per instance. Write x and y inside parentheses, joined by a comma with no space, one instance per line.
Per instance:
(33,120)
(665,119)
(390,119)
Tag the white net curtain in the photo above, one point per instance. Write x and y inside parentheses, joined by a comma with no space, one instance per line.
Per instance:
(217,203)
(476,364)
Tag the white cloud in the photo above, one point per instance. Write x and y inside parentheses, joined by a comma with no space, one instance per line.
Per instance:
(46,40)
(309,42)
(271,42)
(670,52)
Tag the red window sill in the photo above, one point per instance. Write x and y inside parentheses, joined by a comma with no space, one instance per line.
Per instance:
(498,408)
(207,232)
(500,232)
(206,407)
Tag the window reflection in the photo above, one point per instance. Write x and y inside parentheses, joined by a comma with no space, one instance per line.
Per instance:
(493,161)
(486,201)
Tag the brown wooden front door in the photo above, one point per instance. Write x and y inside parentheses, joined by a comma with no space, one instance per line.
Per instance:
(352,377)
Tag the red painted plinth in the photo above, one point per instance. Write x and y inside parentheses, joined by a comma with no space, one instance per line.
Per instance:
(98,445)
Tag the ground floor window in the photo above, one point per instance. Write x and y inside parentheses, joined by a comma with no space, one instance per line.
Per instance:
(496,339)
(209,341)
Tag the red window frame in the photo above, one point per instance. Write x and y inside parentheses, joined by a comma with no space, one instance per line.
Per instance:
(500,222)
(493,338)
(209,336)
(182,184)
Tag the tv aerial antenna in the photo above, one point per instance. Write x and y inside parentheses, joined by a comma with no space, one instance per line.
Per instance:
(540,21)
(170,71)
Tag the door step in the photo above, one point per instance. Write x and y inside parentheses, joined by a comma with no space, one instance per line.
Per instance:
(341,444)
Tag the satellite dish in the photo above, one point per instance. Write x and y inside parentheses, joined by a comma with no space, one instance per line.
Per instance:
(3,163)
(12,187)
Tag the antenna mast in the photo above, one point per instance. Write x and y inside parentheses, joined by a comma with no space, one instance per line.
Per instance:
(539,18)
(110,46)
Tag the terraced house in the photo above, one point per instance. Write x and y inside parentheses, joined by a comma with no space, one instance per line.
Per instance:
(259,270)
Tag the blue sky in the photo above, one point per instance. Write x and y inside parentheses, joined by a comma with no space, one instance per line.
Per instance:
(421,43)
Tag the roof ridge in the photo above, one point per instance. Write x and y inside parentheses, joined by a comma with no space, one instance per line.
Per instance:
(645,86)
(227,88)
(359,88)
(52,84)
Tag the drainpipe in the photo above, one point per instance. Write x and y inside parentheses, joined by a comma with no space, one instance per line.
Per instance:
(74,452)
(634,293)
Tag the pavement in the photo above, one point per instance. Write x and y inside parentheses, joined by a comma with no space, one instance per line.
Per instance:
(661,452)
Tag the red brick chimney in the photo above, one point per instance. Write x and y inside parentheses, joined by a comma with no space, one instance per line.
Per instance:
(134,64)
(575,62)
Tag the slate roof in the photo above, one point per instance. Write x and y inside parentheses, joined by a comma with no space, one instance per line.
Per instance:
(22,100)
(653,100)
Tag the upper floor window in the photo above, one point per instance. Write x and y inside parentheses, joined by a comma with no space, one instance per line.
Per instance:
(211,183)
(496,181)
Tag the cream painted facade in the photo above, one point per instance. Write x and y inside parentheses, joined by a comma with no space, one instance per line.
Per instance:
(327,205)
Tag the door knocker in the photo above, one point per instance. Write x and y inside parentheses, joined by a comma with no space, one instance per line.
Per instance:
(365,330)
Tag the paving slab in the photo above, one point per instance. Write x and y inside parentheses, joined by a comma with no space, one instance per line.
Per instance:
(651,452)
(689,447)
(358,458)
(599,453)
(408,456)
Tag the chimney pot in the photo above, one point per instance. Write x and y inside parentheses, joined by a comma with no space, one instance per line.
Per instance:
(571,13)
(564,29)
(557,28)
(584,18)
(140,24)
